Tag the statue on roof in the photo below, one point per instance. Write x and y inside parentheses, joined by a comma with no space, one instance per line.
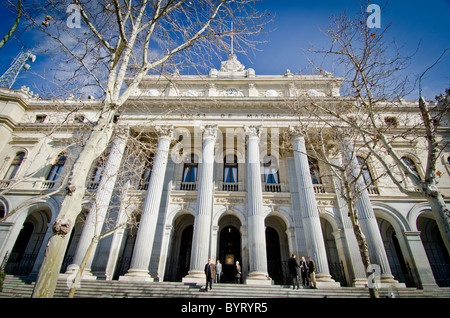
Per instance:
(231,65)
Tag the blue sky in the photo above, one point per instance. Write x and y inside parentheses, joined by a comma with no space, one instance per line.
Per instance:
(296,25)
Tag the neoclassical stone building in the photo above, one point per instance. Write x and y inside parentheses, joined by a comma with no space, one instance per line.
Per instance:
(229,179)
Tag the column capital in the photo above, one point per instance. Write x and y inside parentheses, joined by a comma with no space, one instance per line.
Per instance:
(253,131)
(164,131)
(209,131)
(296,132)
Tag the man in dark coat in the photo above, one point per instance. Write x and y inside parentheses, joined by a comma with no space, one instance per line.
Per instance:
(293,266)
(210,272)
(304,271)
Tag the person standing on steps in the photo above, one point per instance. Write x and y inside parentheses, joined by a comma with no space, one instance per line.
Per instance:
(293,271)
(218,271)
(237,273)
(304,271)
(210,272)
(312,272)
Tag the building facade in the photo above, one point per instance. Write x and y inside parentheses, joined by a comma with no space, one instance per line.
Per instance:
(227,177)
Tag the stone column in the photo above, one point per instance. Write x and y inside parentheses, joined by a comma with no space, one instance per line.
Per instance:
(366,216)
(353,262)
(97,213)
(255,218)
(202,224)
(315,243)
(146,233)
(420,259)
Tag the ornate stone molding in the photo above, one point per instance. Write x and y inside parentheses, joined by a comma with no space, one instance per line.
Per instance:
(253,131)
(165,131)
(295,132)
(209,131)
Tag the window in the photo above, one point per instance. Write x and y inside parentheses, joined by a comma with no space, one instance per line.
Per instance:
(230,170)
(411,165)
(271,170)
(391,122)
(367,176)
(2,209)
(96,175)
(15,165)
(146,173)
(230,173)
(79,119)
(271,177)
(57,168)
(314,170)
(40,118)
(190,170)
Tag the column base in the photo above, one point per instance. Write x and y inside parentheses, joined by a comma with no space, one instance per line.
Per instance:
(360,282)
(325,281)
(259,278)
(387,282)
(136,275)
(194,277)
(73,269)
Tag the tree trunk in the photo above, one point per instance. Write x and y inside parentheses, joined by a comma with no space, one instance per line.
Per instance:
(361,240)
(71,205)
(442,216)
(79,274)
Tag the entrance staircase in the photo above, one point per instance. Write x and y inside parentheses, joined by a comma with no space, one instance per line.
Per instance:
(20,287)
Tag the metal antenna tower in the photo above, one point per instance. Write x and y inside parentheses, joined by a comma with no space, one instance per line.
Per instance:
(9,77)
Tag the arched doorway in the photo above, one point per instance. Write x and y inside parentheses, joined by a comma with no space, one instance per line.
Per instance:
(28,243)
(437,253)
(277,250)
(229,246)
(178,263)
(335,265)
(229,252)
(184,255)
(399,268)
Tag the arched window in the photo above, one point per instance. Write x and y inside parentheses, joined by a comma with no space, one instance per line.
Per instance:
(2,209)
(96,174)
(367,176)
(57,168)
(411,165)
(15,165)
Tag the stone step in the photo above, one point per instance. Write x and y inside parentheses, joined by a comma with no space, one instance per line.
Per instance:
(21,287)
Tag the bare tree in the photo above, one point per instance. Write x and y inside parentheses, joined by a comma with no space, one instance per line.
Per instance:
(374,110)
(14,26)
(119,40)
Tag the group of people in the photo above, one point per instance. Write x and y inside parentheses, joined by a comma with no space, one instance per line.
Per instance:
(307,269)
(214,272)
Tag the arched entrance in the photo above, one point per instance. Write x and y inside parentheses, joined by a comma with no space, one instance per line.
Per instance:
(229,246)
(184,255)
(400,269)
(180,250)
(437,253)
(28,243)
(335,265)
(229,252)
(277,250)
